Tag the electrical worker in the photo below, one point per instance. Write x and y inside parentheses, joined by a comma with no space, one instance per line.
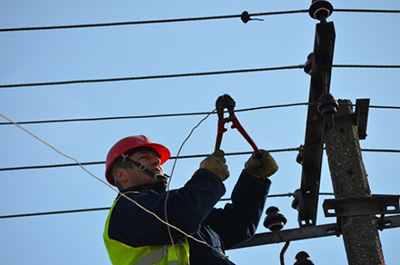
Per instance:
(134,236)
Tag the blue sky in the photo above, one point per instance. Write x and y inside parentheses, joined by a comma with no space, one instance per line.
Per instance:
(172,48)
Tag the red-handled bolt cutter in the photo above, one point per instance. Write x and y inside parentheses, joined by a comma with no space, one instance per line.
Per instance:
(226,101)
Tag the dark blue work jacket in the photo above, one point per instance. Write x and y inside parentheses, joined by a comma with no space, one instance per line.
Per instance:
(191,208)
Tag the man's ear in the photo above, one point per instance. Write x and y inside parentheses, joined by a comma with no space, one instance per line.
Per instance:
(120,175)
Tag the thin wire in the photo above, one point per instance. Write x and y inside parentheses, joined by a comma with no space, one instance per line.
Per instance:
(174,20)
(184,157)
(134,78)
(151,116)
(170,179)
(107,184)
(187,138)
(158,21)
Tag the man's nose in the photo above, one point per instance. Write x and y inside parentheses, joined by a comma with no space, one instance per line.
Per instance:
(156,161)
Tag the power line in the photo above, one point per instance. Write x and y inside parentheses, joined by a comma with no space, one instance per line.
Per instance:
(364,66)
(152,77)
(174,20)
(380,150)
(134,78)
(172,157)
(157,21)
(172,114)
(108,118)
(107,208)
(384,107)
(150,116)
(365,10)
(182,157)
(54,212)
(289,194)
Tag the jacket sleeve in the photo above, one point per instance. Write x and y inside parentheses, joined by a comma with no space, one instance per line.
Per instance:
(238,221)
(186,207)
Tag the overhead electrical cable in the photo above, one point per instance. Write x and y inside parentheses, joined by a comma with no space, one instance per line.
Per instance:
(54,212)
(153,115)
(384,107)
(134,78)
(107,208)
(175,20)
(183,157)
(173,114)
(289,194)
(157,21)
(366,10)
(364,66)
(172,157)
(380,150)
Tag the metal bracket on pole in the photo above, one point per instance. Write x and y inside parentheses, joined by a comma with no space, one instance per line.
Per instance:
(362,108)
(362,206)
(319,67)
(359,118)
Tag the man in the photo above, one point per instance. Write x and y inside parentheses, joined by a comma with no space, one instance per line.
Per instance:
(134,236)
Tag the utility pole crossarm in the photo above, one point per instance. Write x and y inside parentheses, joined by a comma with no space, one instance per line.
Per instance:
(308,232)
(291,235)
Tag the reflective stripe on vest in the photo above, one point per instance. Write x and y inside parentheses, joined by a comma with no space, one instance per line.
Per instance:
(122,254)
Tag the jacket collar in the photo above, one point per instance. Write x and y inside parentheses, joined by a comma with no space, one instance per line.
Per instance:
(152,187)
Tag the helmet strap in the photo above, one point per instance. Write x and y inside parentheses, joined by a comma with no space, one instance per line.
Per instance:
(143,168)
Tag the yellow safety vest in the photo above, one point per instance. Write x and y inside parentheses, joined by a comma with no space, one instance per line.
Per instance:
(122,254)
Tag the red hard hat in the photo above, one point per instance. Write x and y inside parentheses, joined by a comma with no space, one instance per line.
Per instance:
(128,143)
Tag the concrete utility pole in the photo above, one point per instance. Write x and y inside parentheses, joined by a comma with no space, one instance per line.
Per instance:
(360,233)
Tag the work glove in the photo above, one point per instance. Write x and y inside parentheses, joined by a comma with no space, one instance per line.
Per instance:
(261,166)
(216,164)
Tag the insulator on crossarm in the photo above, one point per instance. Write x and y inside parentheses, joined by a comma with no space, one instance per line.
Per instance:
(308,65)
(320,10)
(302,258)
(327,104)
(274,220)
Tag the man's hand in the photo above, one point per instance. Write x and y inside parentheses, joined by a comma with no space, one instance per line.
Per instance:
(261,167)
(216,164)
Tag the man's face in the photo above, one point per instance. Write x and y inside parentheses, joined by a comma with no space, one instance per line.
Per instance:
(149,159)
